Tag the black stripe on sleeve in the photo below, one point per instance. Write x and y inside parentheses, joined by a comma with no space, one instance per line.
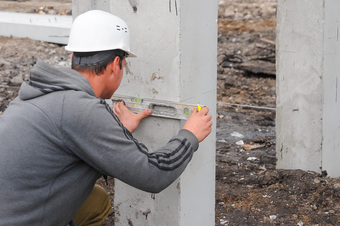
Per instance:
(162,161)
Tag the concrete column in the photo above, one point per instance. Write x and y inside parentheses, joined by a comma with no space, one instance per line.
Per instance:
(308,69)
(176,45)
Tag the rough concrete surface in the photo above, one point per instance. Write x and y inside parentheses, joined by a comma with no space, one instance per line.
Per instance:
(249,190)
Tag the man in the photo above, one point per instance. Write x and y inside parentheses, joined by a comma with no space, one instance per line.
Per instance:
(59,135)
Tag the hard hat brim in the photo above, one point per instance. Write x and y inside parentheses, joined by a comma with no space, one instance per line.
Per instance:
(130,54)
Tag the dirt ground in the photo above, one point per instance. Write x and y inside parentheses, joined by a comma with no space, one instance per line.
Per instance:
(249,190)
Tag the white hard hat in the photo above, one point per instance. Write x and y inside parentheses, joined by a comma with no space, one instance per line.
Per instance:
(98,30)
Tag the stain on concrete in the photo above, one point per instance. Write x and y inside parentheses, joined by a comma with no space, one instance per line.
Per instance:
(130,222)
(133,4)
(155,76)
(127,69)
(146,213)
(170,6)
(154,91)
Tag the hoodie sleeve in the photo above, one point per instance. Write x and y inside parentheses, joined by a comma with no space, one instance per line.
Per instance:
(94,133)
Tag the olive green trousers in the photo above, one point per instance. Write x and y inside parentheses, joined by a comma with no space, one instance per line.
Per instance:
(95,209)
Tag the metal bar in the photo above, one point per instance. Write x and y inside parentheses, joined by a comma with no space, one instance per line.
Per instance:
(246,106)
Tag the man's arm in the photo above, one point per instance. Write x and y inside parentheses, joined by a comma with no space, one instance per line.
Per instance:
(199,123)
(100,139)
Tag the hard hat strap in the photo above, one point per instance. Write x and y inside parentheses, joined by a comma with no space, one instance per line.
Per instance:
(91,60)
(95,58)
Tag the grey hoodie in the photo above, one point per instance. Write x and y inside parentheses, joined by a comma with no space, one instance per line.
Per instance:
(57,139)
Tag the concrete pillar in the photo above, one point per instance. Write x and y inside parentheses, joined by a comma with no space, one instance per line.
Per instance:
(176,45)
(308,70)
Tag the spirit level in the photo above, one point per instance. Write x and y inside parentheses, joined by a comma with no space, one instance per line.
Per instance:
(160,108)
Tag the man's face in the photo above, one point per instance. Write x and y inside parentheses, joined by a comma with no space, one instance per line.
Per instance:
(120,75)
(114,80)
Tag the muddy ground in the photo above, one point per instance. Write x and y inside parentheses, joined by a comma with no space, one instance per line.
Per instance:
(249,190)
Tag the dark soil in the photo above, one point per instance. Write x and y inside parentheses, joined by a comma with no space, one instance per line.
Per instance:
(249,188)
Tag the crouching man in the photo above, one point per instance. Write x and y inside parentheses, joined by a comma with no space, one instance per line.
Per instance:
(58,137)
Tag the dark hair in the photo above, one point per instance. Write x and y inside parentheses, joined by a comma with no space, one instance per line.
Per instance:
(96,62)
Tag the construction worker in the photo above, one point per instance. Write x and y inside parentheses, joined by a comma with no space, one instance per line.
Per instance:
(59,136)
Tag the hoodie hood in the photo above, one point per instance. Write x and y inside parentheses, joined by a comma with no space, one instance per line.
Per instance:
(45,79)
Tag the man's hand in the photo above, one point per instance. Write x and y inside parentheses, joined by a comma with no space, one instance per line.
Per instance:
(129,119)
(199,123)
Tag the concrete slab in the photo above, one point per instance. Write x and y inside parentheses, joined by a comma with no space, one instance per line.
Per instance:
(49,28)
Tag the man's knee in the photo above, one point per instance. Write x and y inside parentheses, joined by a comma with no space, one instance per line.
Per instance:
(95,209)
(100,194)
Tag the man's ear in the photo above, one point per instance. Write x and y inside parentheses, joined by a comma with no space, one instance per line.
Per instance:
(115,64)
